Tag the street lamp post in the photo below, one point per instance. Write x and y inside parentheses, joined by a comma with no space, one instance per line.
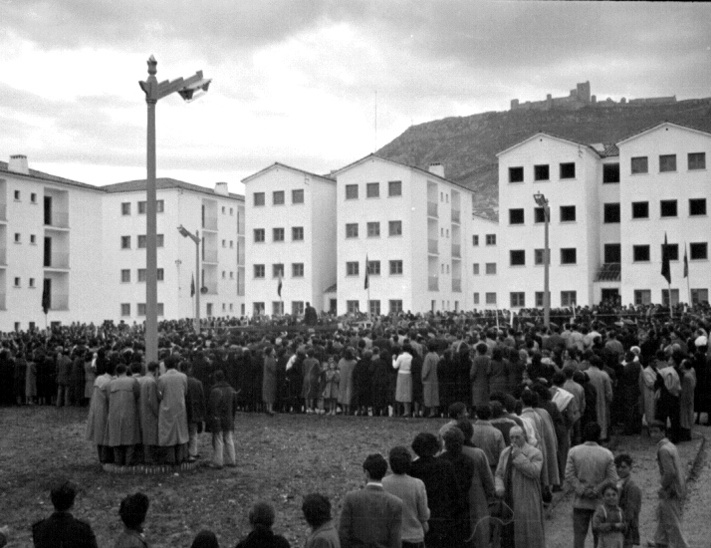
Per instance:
(195,238)
(154,92)
(542,201)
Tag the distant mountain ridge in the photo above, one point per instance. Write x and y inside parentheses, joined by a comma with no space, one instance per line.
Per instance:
(467,146)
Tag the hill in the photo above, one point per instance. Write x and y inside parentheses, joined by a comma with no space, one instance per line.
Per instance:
(467,146)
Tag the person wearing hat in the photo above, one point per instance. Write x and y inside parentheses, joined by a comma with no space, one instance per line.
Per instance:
(61,528)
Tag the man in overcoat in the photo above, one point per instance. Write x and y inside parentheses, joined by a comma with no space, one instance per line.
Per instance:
(172,416)
(195,406)
(123,424)
(148,405)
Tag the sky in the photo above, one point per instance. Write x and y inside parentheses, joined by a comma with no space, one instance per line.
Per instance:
(314,84)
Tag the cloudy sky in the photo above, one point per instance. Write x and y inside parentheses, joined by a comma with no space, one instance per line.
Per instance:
(296,81)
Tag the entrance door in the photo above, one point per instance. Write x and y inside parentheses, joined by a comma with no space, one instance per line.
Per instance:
(611,295)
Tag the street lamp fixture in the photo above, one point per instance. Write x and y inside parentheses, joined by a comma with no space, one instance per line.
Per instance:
(189,89)
(542,202)
(196,286)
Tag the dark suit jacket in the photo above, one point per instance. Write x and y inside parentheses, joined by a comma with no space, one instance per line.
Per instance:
(371,517)
(61,530)
(631,504)
(195,401)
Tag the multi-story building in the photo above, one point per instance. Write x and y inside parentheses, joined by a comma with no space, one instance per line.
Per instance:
(484,256)
(290,240)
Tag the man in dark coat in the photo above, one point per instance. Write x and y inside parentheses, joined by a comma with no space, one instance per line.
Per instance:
(310,315)
(195,405)
(61,528)
(64,370)
(221,420)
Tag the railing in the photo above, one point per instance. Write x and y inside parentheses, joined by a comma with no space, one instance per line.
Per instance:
(609,272)
(457,285)
(57,260)
(209,256)
(211,288)
(432,246)
(3,256)
(3,212)
(58,219)
(456,216)
(209,222)
(456,250)
(58,302)
(433,283)
(432,209)
(2,301)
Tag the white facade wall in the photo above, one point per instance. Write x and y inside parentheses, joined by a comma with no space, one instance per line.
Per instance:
(316,251)
(484,264)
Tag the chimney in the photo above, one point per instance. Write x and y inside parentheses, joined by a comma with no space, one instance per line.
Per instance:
(437,168)
(18,164)
(221,189)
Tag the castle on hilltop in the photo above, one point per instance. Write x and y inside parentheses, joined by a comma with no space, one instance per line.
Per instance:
(580,97)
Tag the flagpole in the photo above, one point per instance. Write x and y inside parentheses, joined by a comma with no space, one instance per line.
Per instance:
(687,276)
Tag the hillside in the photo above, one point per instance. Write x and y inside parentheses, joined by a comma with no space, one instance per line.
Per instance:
(467,146)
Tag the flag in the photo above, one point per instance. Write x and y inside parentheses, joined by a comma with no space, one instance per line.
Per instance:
(45,299)
(366,284)
(192,285)
(686,264)
(666,269)
(279,285)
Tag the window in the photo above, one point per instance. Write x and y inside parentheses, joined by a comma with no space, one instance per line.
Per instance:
(697,206)
(259,235)
(125,275)
(639,165)
(143,207)
(17,282)
(395,268)
(674,297)
(698,251)
(491,298)
(18,238)
(518,299)
(541,172)
(642,296)
(258,201)
(539,215)
(667,162)
(278,197)
(515,174)
(697,160)
(297,233)
(297,196)
(232,244)
(538,297)
(33,197)
(372,190)
(373,230)
(395,228)
(224,243)
(126,208)
(490,268)
(259,271)
(160,275)
(374,268)
(224,274)
(395,306)
(640,210)
(352,268)
(568,298)
(667,208)
(33,239)
(491,239)
(567,170)
(517,257)
(224,209)
(142,240)
(516,216)
(538,256)
(278,270)
(278,234)
(699,296)
(640,253)
(567,214)
(352,307)
(277,308)
(297,270)
(297,308)
(611,213)
(258,308)
(394,189)
(374,307)
(476,298)
(568,255)
(351,192)
(475,268)
(351,230)
(672,251)
(32,282)
(610,173)
(125,309)
(17,197)
(475,240)
(125,242)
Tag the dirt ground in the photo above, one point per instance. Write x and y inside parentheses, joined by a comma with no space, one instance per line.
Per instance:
(280,460)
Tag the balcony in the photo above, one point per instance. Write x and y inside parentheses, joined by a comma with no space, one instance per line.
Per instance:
(433,246)
(209,222)
(609,272)
(3,257)
(209,256)
(58,302)
(433,283)
(3,213)
(457,251)
(57,260)
(56,219)
(3,297)
(457,285)
(456,216)
(432,209)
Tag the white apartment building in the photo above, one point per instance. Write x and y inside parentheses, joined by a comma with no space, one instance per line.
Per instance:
(484,258)
(412,226)
(290,240)
(84,247)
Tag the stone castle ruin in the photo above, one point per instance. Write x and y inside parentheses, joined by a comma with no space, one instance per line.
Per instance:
(580,97)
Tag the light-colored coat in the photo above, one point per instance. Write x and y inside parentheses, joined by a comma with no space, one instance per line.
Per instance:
(430,381)
(148,405)
(99,411)
(123,424)
(173,415)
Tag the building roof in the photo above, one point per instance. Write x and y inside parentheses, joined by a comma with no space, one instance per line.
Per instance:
(163,183)
(658,126)
(276,165)
(586,146)
(34,174)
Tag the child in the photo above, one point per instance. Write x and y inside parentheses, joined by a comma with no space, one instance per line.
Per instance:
(330,392)
(608,521)
(630,499)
